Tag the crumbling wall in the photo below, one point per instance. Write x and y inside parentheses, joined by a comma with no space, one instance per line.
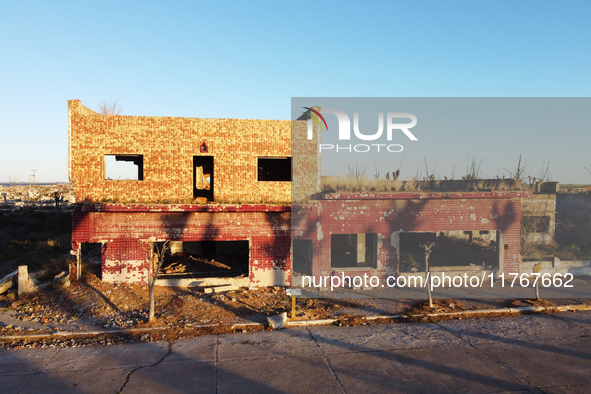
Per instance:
(539,218)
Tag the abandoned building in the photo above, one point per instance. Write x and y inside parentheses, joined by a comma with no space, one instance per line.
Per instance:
(381,234)
(219,192)
(217,189)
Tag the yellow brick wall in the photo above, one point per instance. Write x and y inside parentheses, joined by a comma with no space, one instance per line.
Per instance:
(168,146)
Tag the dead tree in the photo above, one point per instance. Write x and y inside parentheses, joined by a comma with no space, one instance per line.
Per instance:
(427,248)
(357,172)
(112,108)
(155,257)
(473,170)
(519,172)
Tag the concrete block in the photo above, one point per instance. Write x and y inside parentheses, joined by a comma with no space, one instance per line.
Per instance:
(25,283)
(277,322)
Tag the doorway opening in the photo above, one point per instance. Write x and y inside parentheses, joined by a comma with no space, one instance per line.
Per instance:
(203,178)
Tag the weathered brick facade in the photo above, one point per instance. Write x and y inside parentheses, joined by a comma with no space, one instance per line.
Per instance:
(168,146)
(121,227)
(125,216)
(389,214)
(121,214)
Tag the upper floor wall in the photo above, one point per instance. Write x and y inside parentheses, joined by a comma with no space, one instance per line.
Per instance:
(178,159)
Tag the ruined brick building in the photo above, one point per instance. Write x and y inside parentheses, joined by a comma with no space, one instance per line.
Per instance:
(380,234)
(220,190)
(242,168)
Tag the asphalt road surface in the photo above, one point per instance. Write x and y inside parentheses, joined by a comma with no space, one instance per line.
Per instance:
(535,353)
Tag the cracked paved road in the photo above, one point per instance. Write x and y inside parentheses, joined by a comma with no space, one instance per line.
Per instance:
(535,353)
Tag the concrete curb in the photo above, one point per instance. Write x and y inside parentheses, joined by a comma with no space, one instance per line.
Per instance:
(300,323)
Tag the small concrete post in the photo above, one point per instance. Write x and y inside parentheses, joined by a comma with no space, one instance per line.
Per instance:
(5,201)
(25,285)
(501,250)
(75,266)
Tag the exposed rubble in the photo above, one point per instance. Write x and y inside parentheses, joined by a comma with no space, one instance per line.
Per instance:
(19,197)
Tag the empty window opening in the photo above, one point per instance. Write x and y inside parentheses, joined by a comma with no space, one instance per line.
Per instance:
(205,259)
(91,258)
(274,169)
(353,250)
(536,224)
(124,167)
(203,179)
(452,248)
(302,256)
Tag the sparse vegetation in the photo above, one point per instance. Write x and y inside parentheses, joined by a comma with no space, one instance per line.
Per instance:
(540,252)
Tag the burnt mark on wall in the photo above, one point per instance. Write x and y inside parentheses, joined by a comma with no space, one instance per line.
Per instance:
(275,246)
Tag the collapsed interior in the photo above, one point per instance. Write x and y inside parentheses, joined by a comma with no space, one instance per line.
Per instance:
(452,248)
(205,259)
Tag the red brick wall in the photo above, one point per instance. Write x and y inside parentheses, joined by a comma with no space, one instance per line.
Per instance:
(411,212)
(121,227)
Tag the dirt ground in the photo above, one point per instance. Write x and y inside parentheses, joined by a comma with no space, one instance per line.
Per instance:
(93,304)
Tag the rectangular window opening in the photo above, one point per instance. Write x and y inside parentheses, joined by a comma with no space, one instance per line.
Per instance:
(274,169)
(203,178)
(205,259)
(124,167)
(452,248)
(536,224)
(302,256)
(353,250)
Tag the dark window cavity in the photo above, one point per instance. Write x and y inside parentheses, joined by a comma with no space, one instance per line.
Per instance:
(353,250)
(274,169)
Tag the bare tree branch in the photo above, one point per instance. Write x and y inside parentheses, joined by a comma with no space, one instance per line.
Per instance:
(112,108)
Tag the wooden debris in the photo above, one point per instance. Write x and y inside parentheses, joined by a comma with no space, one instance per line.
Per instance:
(210,262)
(175,268)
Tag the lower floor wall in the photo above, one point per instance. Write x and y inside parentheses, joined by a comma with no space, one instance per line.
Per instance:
(127,239)
(127,235)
